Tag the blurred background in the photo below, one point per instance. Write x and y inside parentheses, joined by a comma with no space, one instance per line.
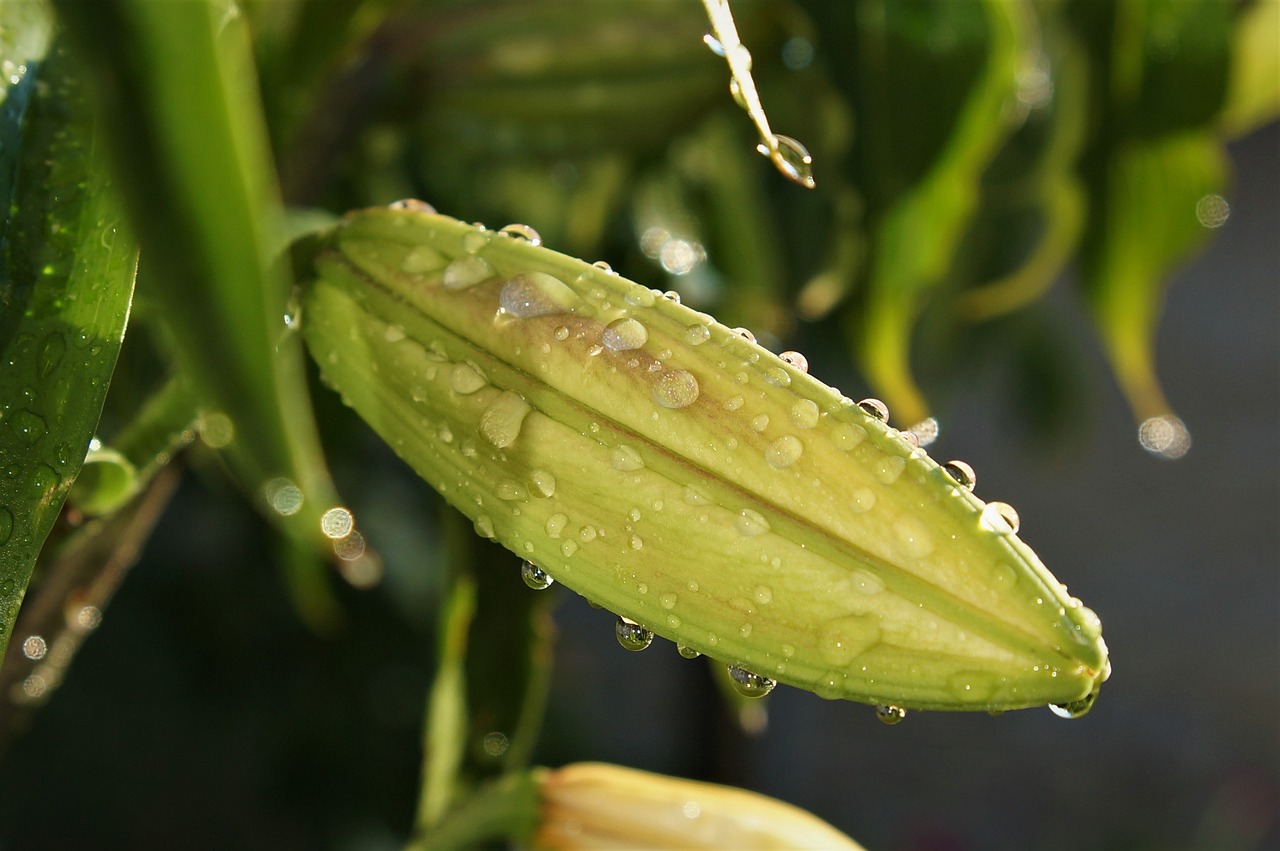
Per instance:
(211,709)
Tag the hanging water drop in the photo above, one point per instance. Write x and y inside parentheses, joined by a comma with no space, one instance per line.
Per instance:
(687,652)
(1000,517)
(962,473)
(889,714)
(796,359)
(875,409)
(522,232)
(750,684)
(535,577)
(791,158)
(1075,708)
(631,635)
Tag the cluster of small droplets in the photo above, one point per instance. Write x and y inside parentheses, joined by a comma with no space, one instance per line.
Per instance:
(796,359)
(522,232)
(535,577)
(631,635)
(875,408)
(963,474)
(890,715)
(748,683)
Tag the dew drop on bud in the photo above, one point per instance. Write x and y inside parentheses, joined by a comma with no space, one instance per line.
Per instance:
(749,684)
(412,204)
(962,473)
(875,409)
(1001,518)
(675,388)
(631,635)
(623,335)
(535,577)
(796,359)
(890,715)
(745,334)
(672,295)
(1075,708)
(522,232)
(687,652)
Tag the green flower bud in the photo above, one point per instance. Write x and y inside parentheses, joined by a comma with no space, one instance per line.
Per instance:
(673,471)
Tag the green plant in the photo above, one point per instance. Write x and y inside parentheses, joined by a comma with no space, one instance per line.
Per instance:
(949,128)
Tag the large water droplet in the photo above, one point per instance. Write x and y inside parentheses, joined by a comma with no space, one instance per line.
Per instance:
(466,271)
(875,409)
(509,490)
(962,473)
(623,335)
(535,577)
(1000,517)
(791,158)
(625,458)
(484,526)
(751,523)
(473,241)
(889,714)
(668,601)
(687,652)
(804,414)
(555,525)
(631,635)
(466,378)
(544,483)
(535,294)
(501,422)
(675,388)
(749,684)
(412,205)
(777,376)
(784,451)
(27,425)
(697,334)
(522,232)
(745,334)
(796,359)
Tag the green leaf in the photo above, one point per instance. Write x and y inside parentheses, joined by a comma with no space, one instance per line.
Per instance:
(661,465)
(67,281)
(178,94)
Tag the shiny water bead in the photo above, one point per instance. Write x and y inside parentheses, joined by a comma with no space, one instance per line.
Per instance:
(791,158)
(631,635)
(672,295)
(890,715)
(1001,518)
(687,652)
(603,266)
(796,359)
(675,388)
(623,335)
(749,684)
(412,204)
(535,577)
(534,294)
(1075,708)
(875,408)
(962,473)
(745,334)
(523,232)
(910,438)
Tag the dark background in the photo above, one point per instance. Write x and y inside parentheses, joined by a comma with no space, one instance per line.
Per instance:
(202,714)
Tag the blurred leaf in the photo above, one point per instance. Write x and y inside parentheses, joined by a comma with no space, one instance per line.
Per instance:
(66,284)
(178,94)
(1254,96)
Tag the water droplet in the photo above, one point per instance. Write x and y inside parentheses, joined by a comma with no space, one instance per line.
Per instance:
(926,431)
(791,158)
(625,458)
(889,714)
(777,376)
(875,409)
(889,468)
(914,536)
(1075,708)
(535,577)
(760,422)
(52,349)
(604,267)
(713,44)
(555,525)
(484,526)
(411,204)
(697,334)
(687,652)
(631,635)
(509,490)
(29,426)
(501,422)
(862,500)
(623,335)
(421,259)
(587,534)
(745,334)
(337,523)
(522,232)
(733,403)
(668,601)
(847,436)
(764,595)
(672,295)
(796,359)
(751,523)
(841,640)
(637,543)
(675,388)
(6,525)
(693,496)
(466,378)
(568,548)
(962,473)
(535,294)
(749,684)
(466,271)
(475,240)
(1165,436)
(804,414)
(544,483)
(784,451)
(1000,517)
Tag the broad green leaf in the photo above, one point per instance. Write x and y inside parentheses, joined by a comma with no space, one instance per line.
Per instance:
(661,465)
(177,89)
(930,133)
(65,290)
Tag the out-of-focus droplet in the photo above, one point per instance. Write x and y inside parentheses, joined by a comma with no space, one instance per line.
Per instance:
(1212,211)
(1165,436)
(466,271)
(337,523)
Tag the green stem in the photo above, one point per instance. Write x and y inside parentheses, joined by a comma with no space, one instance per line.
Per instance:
(508,808)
